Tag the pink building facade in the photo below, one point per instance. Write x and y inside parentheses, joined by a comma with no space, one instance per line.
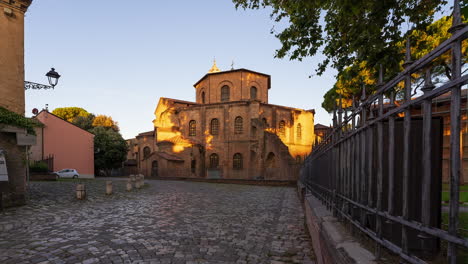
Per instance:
(71,146)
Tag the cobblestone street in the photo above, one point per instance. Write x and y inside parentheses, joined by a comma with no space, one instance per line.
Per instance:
(165,222)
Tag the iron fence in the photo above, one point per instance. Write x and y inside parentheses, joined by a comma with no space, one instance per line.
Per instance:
(380,167)
(49,161)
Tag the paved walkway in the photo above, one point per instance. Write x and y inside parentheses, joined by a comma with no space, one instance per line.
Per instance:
(166,222)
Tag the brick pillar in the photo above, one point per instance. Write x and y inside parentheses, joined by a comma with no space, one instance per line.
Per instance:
(12,54)
(13,191)
(12,95)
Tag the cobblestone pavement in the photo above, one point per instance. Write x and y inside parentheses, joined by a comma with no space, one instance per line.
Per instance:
(165,222)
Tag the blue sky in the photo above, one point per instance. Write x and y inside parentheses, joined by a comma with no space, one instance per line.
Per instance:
(118,57)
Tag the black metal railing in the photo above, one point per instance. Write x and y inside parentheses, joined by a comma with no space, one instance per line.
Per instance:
(380,168)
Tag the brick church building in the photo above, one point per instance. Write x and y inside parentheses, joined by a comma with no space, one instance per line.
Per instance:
(230,132)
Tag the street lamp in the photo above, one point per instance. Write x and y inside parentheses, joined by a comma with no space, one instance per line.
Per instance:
(52,76)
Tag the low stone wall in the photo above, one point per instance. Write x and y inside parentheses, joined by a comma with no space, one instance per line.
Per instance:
(232,181)
(332,242)
(42,177)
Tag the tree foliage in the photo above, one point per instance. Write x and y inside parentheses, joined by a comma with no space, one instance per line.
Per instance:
(349,85)
(352,31)
(70,113)
(110,149)
(85,122)
(350,80)
(357,36)
(105,121)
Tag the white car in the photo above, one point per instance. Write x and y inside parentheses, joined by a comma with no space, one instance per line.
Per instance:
(67,173)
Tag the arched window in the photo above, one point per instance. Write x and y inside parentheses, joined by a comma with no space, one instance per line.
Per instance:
(282,128)
(238,125)
(214,161)
(146,152)
(237,161)
(192,128)
(253,131)
(214,127)
(225,93)
(299,131)
(193,166)
(271,160)
(203,97)
(265,122)
(253,93)
(298,159)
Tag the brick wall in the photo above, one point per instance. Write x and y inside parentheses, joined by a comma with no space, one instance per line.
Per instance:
(13,191)
(12,55)
(239,83)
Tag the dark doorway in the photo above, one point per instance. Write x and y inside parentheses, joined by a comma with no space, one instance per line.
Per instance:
(154,169)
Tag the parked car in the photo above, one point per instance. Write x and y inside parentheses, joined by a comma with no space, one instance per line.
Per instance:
(67,173)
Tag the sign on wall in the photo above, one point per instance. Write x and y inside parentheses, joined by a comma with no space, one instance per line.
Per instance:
(25,139)
(3,167)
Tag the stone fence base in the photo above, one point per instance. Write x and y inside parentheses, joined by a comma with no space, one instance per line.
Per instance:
(332,242)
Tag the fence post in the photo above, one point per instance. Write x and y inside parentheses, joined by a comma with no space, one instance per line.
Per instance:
(363,177)
(356,153)
(426,160)
(370,162)
(341,160)
(391,160)
(406,150)
(380,164)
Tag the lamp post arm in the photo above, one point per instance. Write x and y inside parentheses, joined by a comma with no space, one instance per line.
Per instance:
(36,86)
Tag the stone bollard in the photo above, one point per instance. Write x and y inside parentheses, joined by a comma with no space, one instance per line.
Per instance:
(132,178)
(108,187)
(138,182)
(142,179)
(129,185)
(80,191)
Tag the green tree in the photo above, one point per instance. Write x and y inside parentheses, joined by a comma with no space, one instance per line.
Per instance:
(70,113)
(353,30)
(105,121)
(350,80)
(110,149)
(85,122)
